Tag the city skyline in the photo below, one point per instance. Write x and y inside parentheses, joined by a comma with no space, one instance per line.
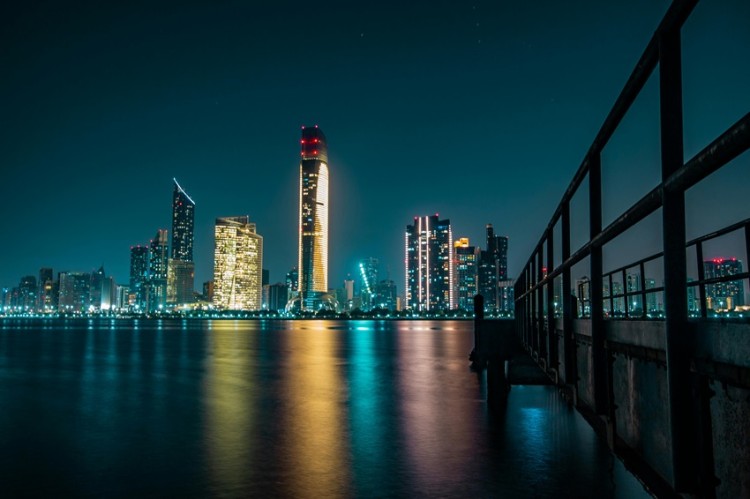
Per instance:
(114,125)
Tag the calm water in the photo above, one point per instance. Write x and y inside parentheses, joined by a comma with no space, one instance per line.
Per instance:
(274,408)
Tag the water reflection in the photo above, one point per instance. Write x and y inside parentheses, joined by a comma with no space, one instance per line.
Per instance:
(294,409)
(230,412)
(315,429)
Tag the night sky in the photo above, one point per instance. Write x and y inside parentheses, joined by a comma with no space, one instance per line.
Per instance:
(479,111)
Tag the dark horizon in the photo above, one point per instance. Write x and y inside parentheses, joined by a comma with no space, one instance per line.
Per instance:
(481,113)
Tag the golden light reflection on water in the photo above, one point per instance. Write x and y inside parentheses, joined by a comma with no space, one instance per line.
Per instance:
(230,414)
(316,429)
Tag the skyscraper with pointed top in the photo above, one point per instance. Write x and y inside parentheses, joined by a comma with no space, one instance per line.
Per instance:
(313,218)
(181,269)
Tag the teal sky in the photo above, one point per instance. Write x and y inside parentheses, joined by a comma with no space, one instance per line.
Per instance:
(480,111)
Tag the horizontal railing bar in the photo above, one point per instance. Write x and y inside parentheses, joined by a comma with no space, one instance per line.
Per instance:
(736,139)
(720,232)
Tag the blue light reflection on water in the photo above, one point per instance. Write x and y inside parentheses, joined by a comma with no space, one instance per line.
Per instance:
(300,408)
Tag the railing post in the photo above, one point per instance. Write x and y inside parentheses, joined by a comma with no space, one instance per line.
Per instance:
(643,290)
(552,359)
(701,278)
(542,340)
(529,305)
(567,301)
(601,404)
(683,422)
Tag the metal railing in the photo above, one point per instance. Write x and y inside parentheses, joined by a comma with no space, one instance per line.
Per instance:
(535,287)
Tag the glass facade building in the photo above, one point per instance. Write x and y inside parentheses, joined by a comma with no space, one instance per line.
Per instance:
(139,275)
(313,218)
(238,264)
(429,265)
(180,287)
(157,271)
(465,266)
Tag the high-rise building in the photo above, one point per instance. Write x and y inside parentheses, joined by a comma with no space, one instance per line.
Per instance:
(95,288)
(121,298)
(492,269)
(348,297)
(292,281)
(505,296)
(157,271)
(101,290)
(501,245)
(313,218)
(139,276)
(386,295)
(465,266)
(27,290)
(180,279)
(208,291)
(429,264)
(74,292)
(238,264)
(368,279)
(46,296)
(724,295)
(583,294)
(275,297)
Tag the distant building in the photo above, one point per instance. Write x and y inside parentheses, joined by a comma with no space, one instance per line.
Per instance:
(27,294)
(275,297)
(583,294)
(506,298)
(386,295)
(652,303)
(6,295)
(238,261)
(181,269)
(492,269)
(74,292)
(122,298)
(96,289)
(265,278)
(347,300)
(368,279)
(139,275)
(208,291)
(101,291)
(465,266)
(429,264)
(158,262)
(292,282)
(46,294)
(724,296)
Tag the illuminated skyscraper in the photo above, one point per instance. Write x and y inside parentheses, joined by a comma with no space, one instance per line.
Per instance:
(313,218)
(157,271)
(238,264)
(465,280)
(47,296)
(429,264)
(492,269)
(27,291)
(724,295)
(139,275)
(181,271)
(368,279)
(74,292)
